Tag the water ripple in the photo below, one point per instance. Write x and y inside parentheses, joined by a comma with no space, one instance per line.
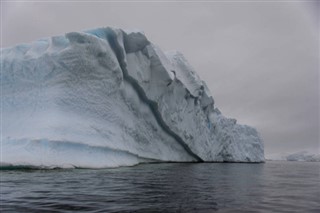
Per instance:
(270,187)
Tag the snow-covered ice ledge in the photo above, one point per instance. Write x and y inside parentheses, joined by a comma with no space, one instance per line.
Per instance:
(109,97)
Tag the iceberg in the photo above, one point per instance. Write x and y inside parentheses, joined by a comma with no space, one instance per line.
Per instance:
(109,97)
(303,156)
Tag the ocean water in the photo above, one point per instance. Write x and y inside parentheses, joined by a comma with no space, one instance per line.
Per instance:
(172,187)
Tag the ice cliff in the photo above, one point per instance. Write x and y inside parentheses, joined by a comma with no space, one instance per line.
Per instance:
(109,97)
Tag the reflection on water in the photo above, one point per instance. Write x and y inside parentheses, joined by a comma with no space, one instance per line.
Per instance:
(176,187)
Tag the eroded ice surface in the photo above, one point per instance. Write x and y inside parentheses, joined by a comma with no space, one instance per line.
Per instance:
(107,98)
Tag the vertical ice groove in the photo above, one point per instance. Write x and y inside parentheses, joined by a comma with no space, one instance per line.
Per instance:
(120,54)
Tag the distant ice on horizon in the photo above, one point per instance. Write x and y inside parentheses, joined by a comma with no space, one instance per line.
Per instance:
(296,156)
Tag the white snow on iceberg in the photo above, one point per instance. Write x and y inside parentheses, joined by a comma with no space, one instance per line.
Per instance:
(107,98)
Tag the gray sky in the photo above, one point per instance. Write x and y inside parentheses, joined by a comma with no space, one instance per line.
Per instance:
(259,59)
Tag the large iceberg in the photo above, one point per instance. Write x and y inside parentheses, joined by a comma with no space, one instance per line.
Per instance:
(109,97)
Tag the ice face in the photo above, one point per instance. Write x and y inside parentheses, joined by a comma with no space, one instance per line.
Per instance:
(112,97)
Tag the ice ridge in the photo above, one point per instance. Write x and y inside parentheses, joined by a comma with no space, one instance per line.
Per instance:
(119,52)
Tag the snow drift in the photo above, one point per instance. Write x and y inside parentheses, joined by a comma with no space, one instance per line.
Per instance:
(109,97)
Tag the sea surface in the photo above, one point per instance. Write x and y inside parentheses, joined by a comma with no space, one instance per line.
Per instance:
(172,187)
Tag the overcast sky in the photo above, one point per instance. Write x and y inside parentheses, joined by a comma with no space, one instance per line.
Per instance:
(259,59)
